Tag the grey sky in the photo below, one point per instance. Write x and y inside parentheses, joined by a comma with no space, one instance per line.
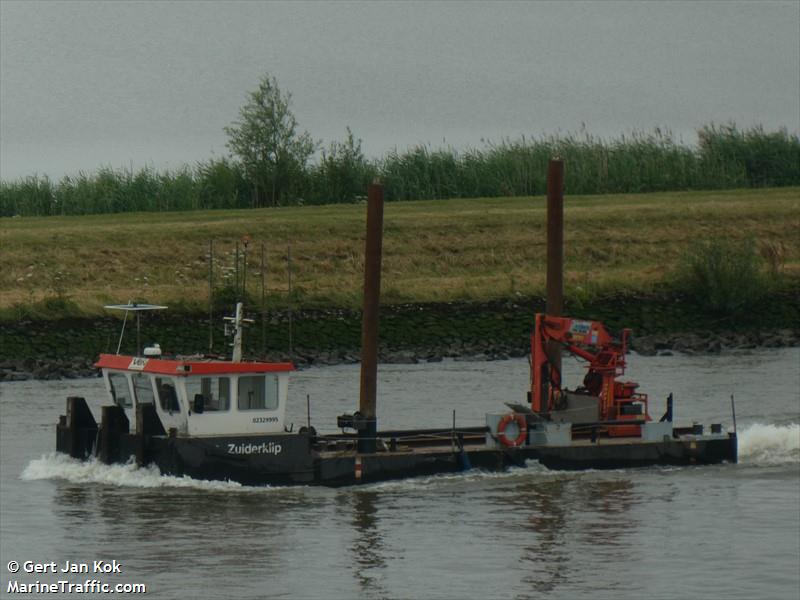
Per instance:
(85,84)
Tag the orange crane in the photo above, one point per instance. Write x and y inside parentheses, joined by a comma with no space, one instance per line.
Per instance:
(620,409)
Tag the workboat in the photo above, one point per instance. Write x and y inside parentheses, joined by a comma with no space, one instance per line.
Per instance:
(224,418)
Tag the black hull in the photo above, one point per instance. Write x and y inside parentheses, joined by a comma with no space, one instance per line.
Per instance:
(303,459)
(212,459)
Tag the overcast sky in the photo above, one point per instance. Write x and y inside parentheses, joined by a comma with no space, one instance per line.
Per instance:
(85,84)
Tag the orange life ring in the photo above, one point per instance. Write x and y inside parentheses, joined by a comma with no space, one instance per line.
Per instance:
(522,425)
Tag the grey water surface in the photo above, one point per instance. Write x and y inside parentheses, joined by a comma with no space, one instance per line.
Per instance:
(729,531)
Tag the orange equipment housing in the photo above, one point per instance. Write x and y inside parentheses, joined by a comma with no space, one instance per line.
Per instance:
(591,341)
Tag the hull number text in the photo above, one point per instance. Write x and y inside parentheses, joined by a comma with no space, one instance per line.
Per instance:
(265,419)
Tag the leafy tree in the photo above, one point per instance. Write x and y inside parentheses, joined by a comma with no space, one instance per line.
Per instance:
(266,139)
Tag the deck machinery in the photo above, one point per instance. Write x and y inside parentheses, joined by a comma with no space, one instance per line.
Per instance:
(602,401)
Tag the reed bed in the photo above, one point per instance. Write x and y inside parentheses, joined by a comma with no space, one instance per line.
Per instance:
(724,157)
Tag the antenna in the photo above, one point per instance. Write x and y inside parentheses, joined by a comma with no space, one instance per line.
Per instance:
(263,304)
(289,261)
(122,331)
(137,308)
(245,242)
(236,272)
(210,295)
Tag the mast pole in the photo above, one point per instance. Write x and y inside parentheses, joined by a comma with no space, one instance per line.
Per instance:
(237,336)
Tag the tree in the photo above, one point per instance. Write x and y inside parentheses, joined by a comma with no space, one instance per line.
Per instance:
(266,139)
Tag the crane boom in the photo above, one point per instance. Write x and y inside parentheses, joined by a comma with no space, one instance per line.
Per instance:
(605,355)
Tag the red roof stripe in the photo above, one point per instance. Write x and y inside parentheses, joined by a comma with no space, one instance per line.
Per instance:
(187,367)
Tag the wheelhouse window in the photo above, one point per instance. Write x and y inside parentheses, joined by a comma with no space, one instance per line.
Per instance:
(209,394)
(258,392)
(119,390)
(167,397)
(143,388)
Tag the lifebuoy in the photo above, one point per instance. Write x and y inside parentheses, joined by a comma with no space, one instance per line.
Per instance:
(522,425)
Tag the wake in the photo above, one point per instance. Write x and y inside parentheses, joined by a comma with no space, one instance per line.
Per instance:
(769,445)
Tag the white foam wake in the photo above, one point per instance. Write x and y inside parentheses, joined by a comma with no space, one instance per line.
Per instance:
(769,444)
(60,466)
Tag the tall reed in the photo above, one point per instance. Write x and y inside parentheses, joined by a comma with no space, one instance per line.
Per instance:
(725,157)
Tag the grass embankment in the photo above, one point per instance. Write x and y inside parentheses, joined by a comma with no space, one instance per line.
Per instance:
(460,250)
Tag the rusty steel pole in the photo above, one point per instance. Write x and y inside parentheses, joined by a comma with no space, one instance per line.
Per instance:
(369,323)
(555,238)
(555,253)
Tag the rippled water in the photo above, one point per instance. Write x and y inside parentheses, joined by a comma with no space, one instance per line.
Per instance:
(729,531)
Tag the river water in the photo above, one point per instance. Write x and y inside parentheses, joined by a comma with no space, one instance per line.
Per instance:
(728,531)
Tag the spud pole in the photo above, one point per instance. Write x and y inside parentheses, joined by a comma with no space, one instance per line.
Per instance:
(369,323)
(555,253)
